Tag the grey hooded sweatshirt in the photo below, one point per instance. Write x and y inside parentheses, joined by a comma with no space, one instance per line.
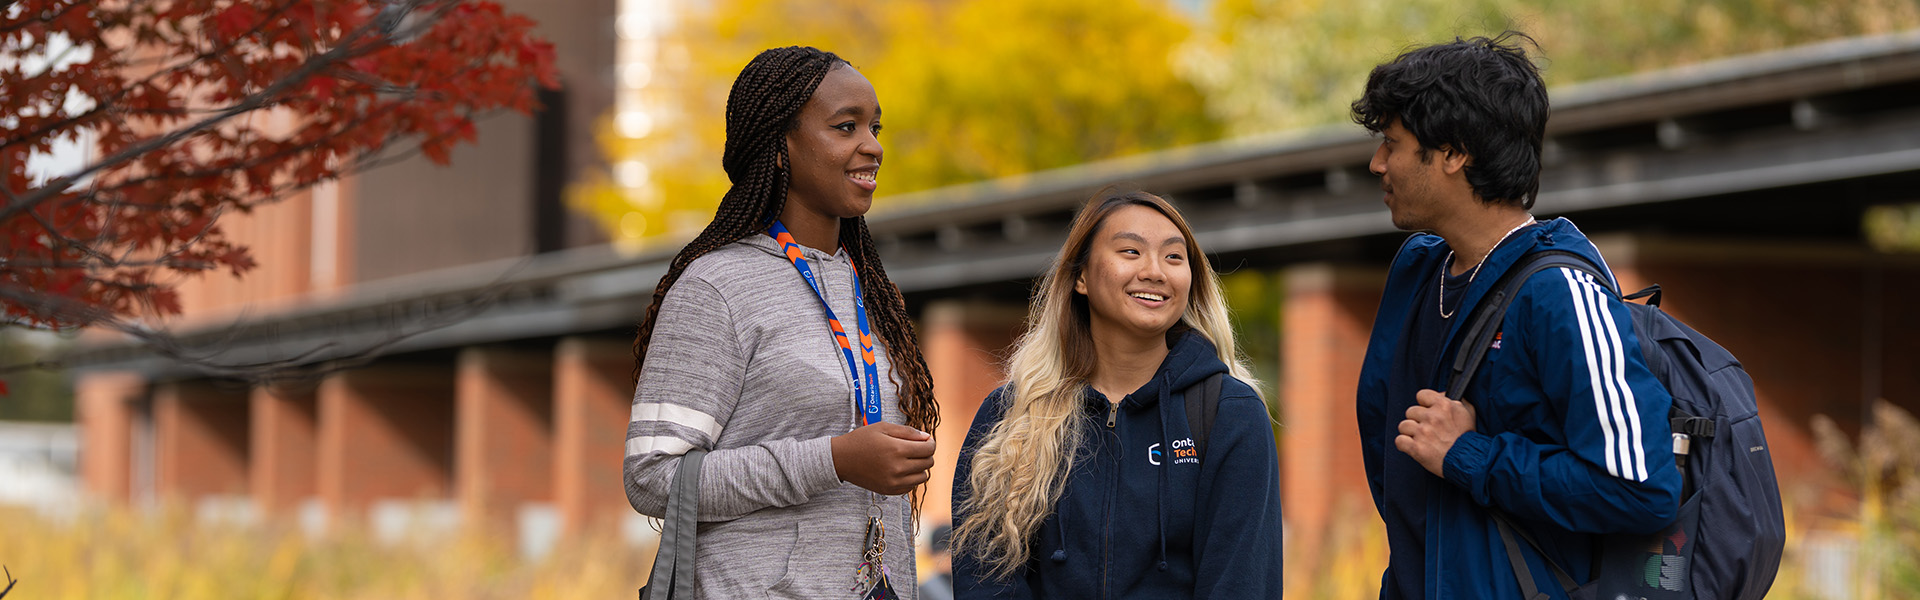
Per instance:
(742,363)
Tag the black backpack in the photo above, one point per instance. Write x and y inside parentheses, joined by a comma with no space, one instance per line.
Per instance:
(1203,401)
(1726,542)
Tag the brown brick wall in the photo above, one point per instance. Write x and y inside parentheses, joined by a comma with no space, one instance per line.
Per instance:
(285,446)
(1803,325)
(279,237)
(592,402)
(1327,316)
(200,438)
(385,432)
(964,344)
(504,407)
(103,405)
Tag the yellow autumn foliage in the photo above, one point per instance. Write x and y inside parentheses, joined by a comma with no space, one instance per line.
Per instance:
(1273,65)
(971,89)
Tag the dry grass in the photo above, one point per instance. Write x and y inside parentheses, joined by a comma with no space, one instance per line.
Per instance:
(1349,566)
(164,554)
(114,554)
(1884,467)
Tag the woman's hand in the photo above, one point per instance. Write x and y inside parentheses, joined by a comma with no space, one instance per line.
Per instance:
(884,457)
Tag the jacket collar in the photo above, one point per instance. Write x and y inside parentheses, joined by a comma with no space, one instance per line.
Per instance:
(1427,253)
(766,243)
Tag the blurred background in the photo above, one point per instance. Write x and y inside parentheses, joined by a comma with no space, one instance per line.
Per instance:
(451,415)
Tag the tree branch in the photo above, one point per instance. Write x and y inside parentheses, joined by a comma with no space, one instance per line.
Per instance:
(251,102)
(401,322)
(290,150)
(111,103)
(24,23)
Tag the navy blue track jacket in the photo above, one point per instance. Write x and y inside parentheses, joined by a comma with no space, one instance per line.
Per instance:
(1141,517)
(1572,436)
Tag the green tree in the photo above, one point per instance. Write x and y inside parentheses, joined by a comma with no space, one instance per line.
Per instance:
(33,394)
(1271,65)
(971,89)
(1893,228)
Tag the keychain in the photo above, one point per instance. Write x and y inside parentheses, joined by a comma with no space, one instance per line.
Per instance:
(872,579)
(883,591)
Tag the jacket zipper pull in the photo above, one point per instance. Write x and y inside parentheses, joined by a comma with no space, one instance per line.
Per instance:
(1113,414)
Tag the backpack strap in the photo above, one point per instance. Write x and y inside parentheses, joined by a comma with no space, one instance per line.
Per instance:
(1487,318)
(1651,293)
(1203,400)
(1529,589)
(1493,309)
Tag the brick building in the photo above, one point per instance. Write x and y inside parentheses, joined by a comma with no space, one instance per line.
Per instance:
(316,448)
(1738,185)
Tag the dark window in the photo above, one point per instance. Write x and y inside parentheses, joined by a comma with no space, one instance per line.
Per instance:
(550,171)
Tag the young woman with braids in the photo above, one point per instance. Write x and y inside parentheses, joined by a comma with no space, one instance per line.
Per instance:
(1082,477)
(814,436)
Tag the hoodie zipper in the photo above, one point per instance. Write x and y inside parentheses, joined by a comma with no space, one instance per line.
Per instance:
(1106,529)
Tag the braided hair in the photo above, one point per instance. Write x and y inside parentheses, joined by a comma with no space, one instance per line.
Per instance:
(762,107)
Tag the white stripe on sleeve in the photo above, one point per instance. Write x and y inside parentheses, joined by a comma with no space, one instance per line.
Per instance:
(1593,370)
(637,446)
(1596,306)
(677,415)
(1628,404)
(1604,346)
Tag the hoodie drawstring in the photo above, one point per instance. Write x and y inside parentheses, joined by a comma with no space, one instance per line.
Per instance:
(1060,525)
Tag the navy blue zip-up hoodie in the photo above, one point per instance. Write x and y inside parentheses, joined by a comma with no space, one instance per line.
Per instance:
(1571,437)
(1141,517)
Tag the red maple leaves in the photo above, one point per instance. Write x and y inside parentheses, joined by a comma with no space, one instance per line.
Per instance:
(161,90)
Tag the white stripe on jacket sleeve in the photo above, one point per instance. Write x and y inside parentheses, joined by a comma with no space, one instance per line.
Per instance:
(1627,401)
(1593,372)
(1595,306)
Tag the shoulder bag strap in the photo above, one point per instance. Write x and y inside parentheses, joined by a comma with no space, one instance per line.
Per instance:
(673,562)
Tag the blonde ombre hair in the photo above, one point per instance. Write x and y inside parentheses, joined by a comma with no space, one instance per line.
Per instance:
(1021,467)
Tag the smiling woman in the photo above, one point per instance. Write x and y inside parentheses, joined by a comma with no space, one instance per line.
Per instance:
(1067,479)
(749,351)
(835,153)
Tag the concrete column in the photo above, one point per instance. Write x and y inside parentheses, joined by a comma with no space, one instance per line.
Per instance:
(385,432)
(1324,327)
(285,447)
(965,343)
(103,404)
(504,404)
(201,439)
(592,402)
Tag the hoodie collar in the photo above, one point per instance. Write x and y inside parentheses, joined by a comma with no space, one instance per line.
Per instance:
(767,244)
(1190,358)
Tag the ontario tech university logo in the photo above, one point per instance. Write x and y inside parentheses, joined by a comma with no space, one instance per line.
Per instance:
(1183,453)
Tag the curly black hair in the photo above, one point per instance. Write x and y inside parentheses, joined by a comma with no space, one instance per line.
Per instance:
(1482,96)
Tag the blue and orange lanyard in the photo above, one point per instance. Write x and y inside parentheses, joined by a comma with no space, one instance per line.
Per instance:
(867,404)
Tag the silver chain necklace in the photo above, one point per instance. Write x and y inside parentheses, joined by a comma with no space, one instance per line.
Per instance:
(1442,301)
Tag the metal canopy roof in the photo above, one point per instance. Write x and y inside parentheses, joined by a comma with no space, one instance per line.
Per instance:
(1819,113)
